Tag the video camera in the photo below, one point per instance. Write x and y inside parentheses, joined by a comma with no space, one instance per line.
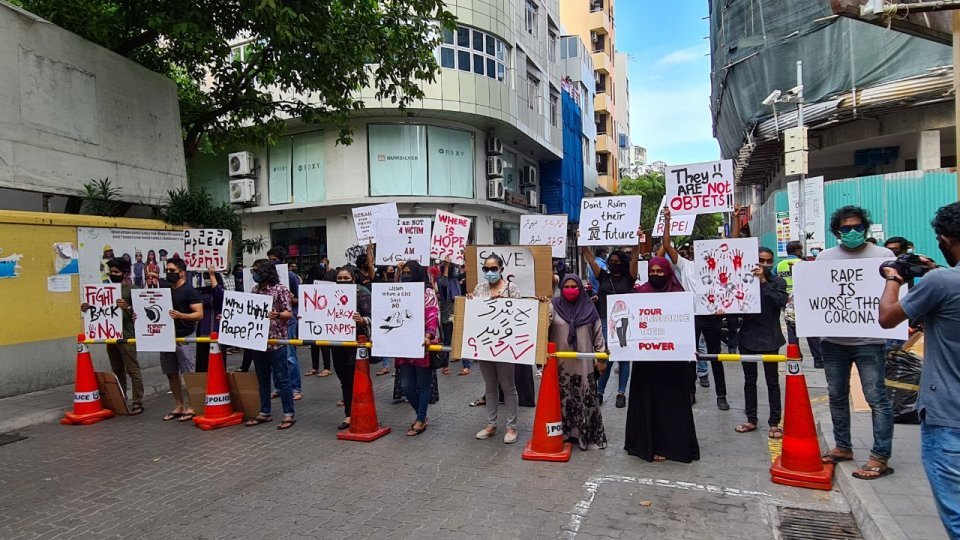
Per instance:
(909,265)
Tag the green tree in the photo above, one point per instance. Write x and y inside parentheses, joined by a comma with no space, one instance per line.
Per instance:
(325,50)
(652,187)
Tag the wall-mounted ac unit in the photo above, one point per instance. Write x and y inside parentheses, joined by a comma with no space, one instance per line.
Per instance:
(594,36)
(543,209)
(529,177)
(241,164)
(495,189)
(494,167)
(494,146)
(242,191)
(533,199)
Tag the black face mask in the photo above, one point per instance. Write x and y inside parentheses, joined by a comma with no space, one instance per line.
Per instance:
(173,277)
(658,282)
(615,268)
(116,279)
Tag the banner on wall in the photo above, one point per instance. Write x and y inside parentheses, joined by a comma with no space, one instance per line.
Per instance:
(784,230)
(147,251)
(449,238)
(700,188)
(610,221)
(537,230)
(397,317)
(400,240)
(651,327)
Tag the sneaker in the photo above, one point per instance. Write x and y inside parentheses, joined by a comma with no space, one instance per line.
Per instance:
(722,403)
(704,381)
(510,437)
(539,373)
(621,401)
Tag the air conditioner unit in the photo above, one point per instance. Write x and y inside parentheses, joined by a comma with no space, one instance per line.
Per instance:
(597,77)
(594,36)
(543,209)
(494,167)
(494,146)
(529,176)
(495,189)
(241,164)
(533,199)
(242,191)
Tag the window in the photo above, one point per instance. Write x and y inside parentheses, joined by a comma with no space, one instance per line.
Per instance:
(601,80)
(473,51)
(297,169)
(407,159)
(506,234)
(552,47)
(602,164)
(554,110)
(510,171)
(601,121)
(305,240)
(596,5)
(531,19)
(599,42)
(533,92)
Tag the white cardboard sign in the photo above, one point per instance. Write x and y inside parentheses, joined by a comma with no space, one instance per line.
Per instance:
(203,248)
(700,188)
(725,280)
(400,240)
(680,225)
(365,220)
(651,327)
(519,267)
(104,319)
(245,321)
(610,221)
(398,320)
(326,312)
(841,299)
(154,326)
(537,230)
(449,238)
(501,330)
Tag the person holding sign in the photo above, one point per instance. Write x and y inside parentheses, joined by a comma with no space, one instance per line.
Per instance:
(415,374)
(187,311)
(660,422)
(344,358)
(273,361)
(575,326)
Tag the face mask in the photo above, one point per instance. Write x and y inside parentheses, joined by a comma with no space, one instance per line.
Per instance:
(406,278)
(814,252)
(116,279)
(658,282)
(257,277)
(571,295)
(853,239)
(615,268)
(491,277)
(390,277)
(173,277)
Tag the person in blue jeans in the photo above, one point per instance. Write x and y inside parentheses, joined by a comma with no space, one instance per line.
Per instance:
(277,255)
(850,224)
(936,299)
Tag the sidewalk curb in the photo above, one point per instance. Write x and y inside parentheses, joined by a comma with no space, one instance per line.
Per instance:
(872,516)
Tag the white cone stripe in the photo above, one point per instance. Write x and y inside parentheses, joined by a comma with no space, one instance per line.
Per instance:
(214,347)
(86,397)
(554,429)
(217,399)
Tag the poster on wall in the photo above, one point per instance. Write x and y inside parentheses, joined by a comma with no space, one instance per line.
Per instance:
(397,317)
(725,271)
(783,233)
(841,299)
(103,319)
(65,259)
(610,221)
(537,230)
(147,251)
(500,330)
(365,220)
(245,320)
(700,188)
(814,217)
(449,238)
(10,265)
(154,326)
(651,327)
(530,268)
(680,225)
(326,311)
(203,248)
(400,240)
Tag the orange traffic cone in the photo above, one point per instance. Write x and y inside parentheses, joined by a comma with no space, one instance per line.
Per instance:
(217,409)
(86,395)
(799,464)
(547,442)
(364,425)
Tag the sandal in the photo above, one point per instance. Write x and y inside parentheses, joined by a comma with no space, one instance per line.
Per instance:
(343,426)
(311,373)
(775,432)
(324,373)
(878,472)
(746,428)
(257,420)
(413,431)
(659,459)
(287,423)
(275,395)
(445,371)
(297,396)
(137,409)
(478,402)
(172,415)
(186,417)
(384,371)
(832,458)
(340,404)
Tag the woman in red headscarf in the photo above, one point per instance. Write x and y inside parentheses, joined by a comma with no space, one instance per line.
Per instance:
(659,414)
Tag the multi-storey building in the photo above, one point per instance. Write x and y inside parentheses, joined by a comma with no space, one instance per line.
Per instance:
(621,117)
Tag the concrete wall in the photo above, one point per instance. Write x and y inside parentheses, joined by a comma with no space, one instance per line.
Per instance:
(71,111)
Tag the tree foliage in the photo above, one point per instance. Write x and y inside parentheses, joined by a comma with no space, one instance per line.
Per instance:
(652,187)
(306,59)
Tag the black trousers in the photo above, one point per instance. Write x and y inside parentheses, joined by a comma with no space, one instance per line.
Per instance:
(247,360)
(710,327)
(343,366)
(315,352)
(772,377)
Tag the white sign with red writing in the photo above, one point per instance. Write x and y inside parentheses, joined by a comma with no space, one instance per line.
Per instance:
(550,231)
(501,330)
(326,311)
(651,327)
(154,325)
(203,248)
(398,319)
(725,280)
(103,319)
(365,220)
(700,188)
(400,240)
(681,225)
(449,238)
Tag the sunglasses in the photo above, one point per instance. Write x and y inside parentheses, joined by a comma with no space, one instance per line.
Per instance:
(847,228)
(491,268)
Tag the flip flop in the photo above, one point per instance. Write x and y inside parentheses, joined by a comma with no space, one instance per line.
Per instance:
(287,423)
(833,459)
(745,428)
(257,420)
(775,433)
(137,409)
(413,432)
(478,403)
(186,417)
(297,396)
(172,416)
(885,471)
(324,373)
(464,371)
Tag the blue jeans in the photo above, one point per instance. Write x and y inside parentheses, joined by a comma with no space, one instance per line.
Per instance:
(703,366)
(624,378)
(837,360)
(940,454)
(415,383)
(275,363)
(292,358)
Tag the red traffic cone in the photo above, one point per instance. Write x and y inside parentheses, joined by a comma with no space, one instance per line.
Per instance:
(547,442)
(364,425)
(86,395)
(217,409)
(799,464)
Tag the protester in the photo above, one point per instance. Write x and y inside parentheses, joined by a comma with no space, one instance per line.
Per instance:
(448,285)
(850,225)
(211,293)
(601,258)
(344,359)
(415,374)
(277,255)
(237,277)
(660,422)
(761,334)
(936,299)
(187,311)
(575,326)
(317,351)
(123,356)
(784,269)
(898,245)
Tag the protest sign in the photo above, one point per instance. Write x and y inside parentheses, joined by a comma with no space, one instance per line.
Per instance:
(700,188)
(449,238)
(147,251)
(652,326)
(500,330)
(609,221)
(400,240)
(203,248)
(245,321)
(397,317)
(725,279)
(680,225)
(104,319)
(536,230)
(365,220)
(326,312)
(841,298)
(283,272)
(154,325)
(529,267)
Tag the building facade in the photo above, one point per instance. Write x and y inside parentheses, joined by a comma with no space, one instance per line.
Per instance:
(621,117)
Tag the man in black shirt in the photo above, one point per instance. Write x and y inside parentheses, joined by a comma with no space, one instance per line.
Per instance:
(186,313)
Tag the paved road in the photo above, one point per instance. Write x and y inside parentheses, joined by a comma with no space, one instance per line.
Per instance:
(140,477)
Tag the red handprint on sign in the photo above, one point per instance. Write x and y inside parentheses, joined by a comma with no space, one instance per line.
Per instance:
(737,260)
(711,263)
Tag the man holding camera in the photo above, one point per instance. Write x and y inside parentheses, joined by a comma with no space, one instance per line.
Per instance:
(936,300)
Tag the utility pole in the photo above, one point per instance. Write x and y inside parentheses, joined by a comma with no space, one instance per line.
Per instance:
(803,175)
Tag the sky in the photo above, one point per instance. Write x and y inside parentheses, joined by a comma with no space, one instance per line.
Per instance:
(669,78)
